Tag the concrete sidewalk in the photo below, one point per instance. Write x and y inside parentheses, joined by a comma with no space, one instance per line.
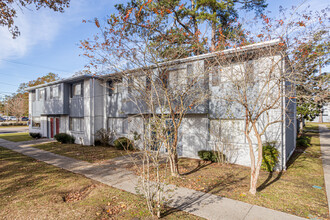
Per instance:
(325,149)
(198,203)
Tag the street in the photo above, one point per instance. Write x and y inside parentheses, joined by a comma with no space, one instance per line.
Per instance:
(4,129)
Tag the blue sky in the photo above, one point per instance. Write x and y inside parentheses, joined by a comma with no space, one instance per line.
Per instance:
(49,41)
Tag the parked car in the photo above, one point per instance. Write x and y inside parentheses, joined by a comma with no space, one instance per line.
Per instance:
(12,118)
(5,117)
(24,119)
(2,119)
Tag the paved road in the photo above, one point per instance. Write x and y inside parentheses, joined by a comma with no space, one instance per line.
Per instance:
(13,129)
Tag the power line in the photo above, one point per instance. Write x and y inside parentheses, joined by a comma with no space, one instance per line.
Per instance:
(6,92)
(35,65)
(12,74)
(8,84)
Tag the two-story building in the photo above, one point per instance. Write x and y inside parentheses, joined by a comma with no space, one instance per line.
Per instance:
(82,105)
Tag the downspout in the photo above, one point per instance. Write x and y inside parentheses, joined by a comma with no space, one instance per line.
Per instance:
(283,167)
(105,106)
(92,112)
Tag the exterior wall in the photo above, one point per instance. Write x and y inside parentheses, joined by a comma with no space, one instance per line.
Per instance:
(213,125)
(136,125)
(99,106)
(77,103)
(290,122)
(227,123)
(49,105)
(91,110)
(193,135)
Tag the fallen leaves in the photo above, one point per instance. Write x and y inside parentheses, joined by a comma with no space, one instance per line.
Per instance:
(79,195)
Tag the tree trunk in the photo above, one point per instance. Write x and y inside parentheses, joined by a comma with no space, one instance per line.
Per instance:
(253,165)
(194,20)
(321,117)
(256,170)
(173,153)
(301,125)
(213,35)
(174,164)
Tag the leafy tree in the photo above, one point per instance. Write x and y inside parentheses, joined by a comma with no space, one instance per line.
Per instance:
(189,18)
(8,10)
(2,107)
(50,77)
(313,85)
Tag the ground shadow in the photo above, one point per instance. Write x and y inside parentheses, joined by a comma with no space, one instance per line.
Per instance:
(267,182)
(197,168)
(199,196)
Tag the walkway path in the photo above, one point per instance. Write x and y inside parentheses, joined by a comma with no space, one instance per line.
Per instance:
(325,149)
(198,203)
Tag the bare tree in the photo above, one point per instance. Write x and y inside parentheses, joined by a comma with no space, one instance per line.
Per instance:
(256,84)
(15,106)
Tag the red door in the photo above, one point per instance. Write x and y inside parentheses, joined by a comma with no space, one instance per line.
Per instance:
(51,127)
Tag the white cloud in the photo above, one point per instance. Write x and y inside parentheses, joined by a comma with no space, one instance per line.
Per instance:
(35,27)
(41,27)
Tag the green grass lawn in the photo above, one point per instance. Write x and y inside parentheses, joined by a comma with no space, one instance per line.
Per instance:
(31,189)
(289,191)
(16,137)
(87,153)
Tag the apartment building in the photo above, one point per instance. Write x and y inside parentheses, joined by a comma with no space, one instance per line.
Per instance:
(82,105)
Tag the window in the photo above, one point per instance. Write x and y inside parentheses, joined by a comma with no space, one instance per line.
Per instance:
(36,122)
(111,87)
(249,71)
(164,77)
(189,74)
(130,84)
(76,89)
(76,124)
(54,92)
(118,125)
(148,82)
(33,95)
(41,94)
(215,76)
(115,85)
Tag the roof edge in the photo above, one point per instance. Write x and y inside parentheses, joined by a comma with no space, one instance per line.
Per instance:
(70,79)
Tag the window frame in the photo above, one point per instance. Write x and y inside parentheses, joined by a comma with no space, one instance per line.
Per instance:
(52,89)
(33,96)
(33,123)
(74,128)
(73,86)
(41,94)
(164,78)
(114,84)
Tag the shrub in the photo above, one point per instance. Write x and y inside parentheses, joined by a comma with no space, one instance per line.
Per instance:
(64,138)
(123,143)
(104,137)
(269,157)
(35,135)
(303,141)
(208,155)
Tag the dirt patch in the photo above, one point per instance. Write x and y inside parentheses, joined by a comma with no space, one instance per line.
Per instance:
(80,194)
